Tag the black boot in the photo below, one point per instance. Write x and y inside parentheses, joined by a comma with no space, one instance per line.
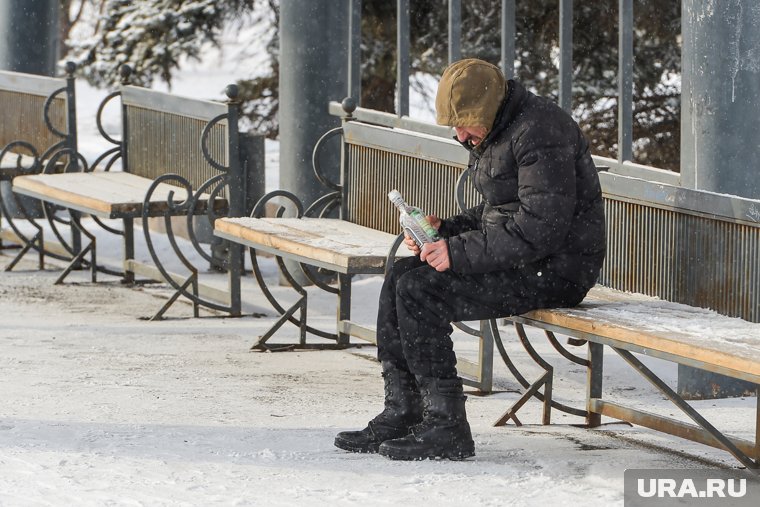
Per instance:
(403,409)
(444,431)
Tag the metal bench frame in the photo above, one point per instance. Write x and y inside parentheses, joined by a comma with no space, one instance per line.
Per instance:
(747,452)
(190,144)
(225,176)
(39,134)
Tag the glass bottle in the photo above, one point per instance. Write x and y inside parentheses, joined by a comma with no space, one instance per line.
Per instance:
(413,220)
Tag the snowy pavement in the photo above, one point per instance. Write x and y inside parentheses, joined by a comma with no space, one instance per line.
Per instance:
(103,408)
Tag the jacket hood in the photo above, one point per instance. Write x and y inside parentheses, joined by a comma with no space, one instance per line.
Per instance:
(469,94)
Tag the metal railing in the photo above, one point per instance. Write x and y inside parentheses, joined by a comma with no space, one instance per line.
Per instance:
(622,165)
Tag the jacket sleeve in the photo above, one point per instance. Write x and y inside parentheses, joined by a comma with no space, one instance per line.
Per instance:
(467,220)
(547,196)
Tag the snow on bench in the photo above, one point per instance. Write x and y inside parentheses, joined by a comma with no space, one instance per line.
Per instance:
(662,328)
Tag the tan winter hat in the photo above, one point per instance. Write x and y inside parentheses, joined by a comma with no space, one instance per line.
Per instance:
(469,94)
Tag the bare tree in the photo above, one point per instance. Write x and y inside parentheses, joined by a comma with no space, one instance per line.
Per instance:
(71,12)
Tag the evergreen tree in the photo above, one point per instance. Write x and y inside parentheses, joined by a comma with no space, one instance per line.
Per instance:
(151,36)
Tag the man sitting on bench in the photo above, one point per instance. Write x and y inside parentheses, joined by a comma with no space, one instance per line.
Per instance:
(537,240)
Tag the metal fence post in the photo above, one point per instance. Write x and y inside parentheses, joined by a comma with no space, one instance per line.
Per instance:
(455,30)
(720,104)
(402,58)
(625,81)
(720,96)
(508,32)
(313,71)
(29,36)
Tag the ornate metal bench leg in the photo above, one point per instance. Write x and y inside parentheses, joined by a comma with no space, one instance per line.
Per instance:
(28,243)
(300,305)
(302,319)
(129,248)
(160,313)
(548,384)
(37,238)
(344,305)
(479,373)
(546,381)
(687,409)
(77,260)
(286,315)
(488,328)
(41,252)
(196,305)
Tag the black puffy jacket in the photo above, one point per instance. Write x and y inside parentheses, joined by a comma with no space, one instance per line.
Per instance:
(542,203)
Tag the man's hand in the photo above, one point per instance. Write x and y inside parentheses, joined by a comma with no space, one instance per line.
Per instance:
(410,243)
(436,254)
(434,221)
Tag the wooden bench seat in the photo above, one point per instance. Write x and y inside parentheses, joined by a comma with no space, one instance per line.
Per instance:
(343,247)
(651,326)
(335,244)
(103,194)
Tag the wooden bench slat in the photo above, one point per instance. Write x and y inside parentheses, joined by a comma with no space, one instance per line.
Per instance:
(349,247)
(105,194)
(662,326)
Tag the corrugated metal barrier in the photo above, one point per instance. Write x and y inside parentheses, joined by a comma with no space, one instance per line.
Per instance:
(162,151)
(681,257)
(22,119)
(375,172)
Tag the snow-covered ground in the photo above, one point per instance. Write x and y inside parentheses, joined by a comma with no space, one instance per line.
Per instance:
(101,407)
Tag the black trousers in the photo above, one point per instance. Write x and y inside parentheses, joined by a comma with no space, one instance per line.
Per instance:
(418,304)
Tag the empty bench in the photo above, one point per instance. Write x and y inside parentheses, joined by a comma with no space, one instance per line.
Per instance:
(37,134)
(179,157)
(366,232)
